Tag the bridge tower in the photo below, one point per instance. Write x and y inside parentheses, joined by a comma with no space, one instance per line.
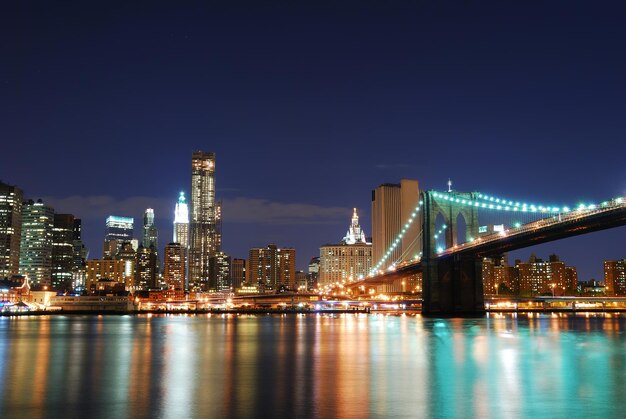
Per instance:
(452,285)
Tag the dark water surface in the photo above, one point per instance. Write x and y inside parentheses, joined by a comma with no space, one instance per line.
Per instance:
(312,366)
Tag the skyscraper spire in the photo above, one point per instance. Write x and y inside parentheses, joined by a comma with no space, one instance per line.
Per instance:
(355,233)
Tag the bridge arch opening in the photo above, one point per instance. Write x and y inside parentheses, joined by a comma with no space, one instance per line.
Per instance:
(461,229)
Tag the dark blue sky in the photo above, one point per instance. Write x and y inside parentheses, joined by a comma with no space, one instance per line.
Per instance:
(309,106)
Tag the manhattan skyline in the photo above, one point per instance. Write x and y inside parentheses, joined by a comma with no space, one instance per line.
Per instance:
(310,107)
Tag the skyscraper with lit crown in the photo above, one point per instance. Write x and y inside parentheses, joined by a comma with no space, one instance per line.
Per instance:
(181,222)
(349,260)
(181,234)
(204,228)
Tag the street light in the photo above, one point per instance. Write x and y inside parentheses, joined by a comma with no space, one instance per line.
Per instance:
(497,289)
(552,286)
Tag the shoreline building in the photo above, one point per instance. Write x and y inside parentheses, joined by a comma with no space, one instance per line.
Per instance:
(349,260)
(272,268)
(36,242)
(11,198)
(79,268)
(544,277)
(238,272)
(146,269)
(219,272)
(392,206)
(204,227)
(104,269)
(174,266)
(615,277)
(63,257)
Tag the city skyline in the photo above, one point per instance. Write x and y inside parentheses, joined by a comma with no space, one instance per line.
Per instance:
(305,126)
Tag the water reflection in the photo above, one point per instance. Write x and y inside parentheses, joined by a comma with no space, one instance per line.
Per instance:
(351,365)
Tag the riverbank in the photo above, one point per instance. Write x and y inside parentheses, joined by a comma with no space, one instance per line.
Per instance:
(200,311)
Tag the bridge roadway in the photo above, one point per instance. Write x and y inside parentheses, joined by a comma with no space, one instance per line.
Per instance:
(560,226)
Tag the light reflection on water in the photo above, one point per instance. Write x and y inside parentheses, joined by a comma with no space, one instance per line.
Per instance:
(352,365)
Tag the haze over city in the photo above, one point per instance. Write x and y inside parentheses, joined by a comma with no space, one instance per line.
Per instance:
(310,107)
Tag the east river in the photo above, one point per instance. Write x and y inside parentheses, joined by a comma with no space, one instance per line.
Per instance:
(318,366)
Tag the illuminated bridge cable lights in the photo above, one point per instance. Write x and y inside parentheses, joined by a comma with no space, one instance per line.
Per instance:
(436,236)
(534,208)
(397,240)
(502,205)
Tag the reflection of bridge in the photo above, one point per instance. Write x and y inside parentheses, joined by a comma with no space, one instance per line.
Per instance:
(453,248)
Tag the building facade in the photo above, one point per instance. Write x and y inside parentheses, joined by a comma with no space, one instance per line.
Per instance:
(11,198)
(545,277)
(128,255)
(204,227)
(36,242)
(174,266)
(150,233)
(79,266)
(63,257)
(349,260)
(146,274)
(238,272)
(272,268)
(101,269)
(181,232)
(219,272)
(615,277)
(118,231)
(392,206)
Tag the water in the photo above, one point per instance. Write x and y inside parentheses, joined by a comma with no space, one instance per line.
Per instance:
(312,366)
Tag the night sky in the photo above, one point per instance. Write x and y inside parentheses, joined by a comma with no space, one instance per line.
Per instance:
(309,106)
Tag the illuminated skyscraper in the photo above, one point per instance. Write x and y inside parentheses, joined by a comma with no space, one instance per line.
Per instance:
(392,205)
(181,234)
(219,272)
(615,277)
(36,243)
(181,222)
(118,231)
(349,260)
(128,254)
(237,272)
(10,229)
(150,234)
(62,252)
(146,268)
(204,227)
(174,270)
(272,268)
(79,265)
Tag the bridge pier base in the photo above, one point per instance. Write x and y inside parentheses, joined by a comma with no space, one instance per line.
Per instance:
(453,286)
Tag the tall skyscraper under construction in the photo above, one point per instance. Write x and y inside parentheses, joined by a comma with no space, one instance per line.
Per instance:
(205,225)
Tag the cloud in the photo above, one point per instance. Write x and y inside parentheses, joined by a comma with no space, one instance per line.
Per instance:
(101,206)
(235,210)
(262,211)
